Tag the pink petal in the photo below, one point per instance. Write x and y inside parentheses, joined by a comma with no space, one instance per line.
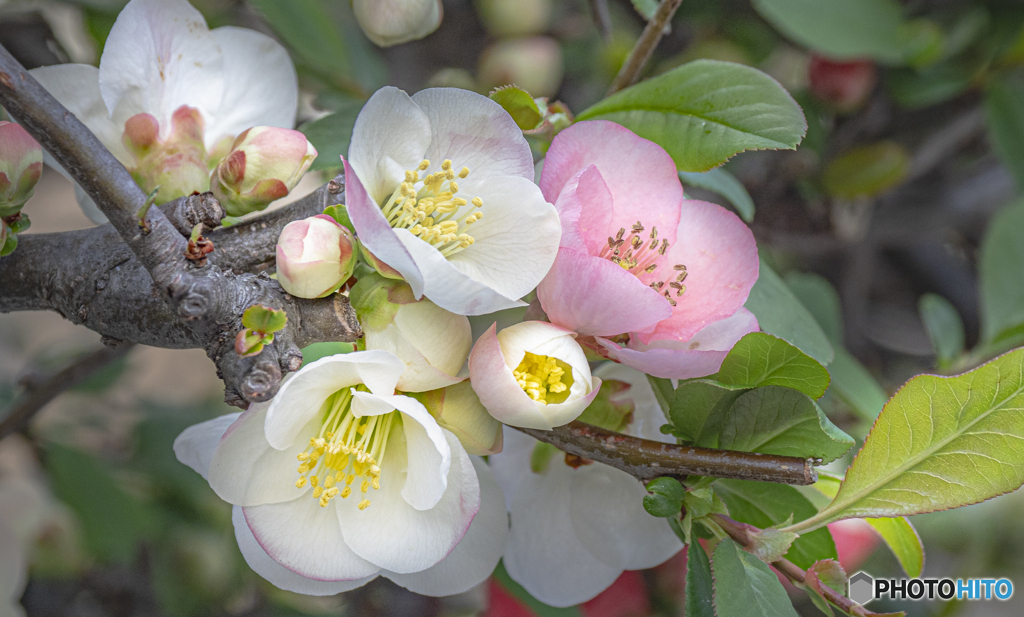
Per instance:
(594,296)
(720,256)
(585,211)
(640,175)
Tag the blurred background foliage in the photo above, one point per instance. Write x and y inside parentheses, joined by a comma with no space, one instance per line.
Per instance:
(896,224)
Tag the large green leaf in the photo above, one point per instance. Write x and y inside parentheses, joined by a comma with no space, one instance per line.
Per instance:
(310,31)
(944,327)
(841,28)
(699,584)
(1005,116)
(331,135)
(764,505)
(902,540)
(706,111)
(725,184)
(745,586)
(760,359)
(698,408)
(1002,277)
(776,420)
(779,312)
(940,443)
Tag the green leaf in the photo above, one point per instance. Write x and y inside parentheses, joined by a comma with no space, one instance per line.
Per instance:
(605,413)
(310,31)
(113,522)
(866,171)
(264,319)
(535,605)
(760,359)
(725,184)
(780,313)
(745,586)
(902,539)
(764,505)
(698,408)
(339,213)
(706,111)
(1001,267)
(664,498)
(646,8)
(1005,117)
(841,29)
(944,327)
(821,300)
(940,443)
(699,584)
(776,420)
(331,135)
(314,352)
(520,105)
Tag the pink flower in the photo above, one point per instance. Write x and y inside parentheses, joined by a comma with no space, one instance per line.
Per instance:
(315,256)
(657,279)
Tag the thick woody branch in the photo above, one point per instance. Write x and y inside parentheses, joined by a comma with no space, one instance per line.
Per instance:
(645,459)
(644,46)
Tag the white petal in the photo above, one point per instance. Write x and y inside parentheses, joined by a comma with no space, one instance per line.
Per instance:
(608,518)
(527,336)
(77,87)
(260,85)
(558,414)
(647,418)
(542,553)
(396,536)
(159,56)
(246,471)
(282,577)
(300,398)
(442,337)
(305,538)
(476,555)
(428,453)
(13,570)
(390,136)
(512,464)
(196,444)
(475,132)
(85,202)
(419,375)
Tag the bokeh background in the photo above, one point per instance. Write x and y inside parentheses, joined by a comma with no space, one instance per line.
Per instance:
(904,188)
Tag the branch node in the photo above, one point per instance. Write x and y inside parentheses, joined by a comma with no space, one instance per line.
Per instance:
(261,382)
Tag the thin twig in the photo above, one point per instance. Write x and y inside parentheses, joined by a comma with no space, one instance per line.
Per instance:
(40,392)
(599,11)
(645,459)
(644,46)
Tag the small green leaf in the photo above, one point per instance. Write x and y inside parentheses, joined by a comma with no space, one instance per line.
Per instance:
(725,184)
(770,545)
(314,352)
(699,584)
(1005,117)
(866,171)
(664,498)
(944,327)
(331,135)
(745,586)
(541,456)
(264,319)
(520,105)
(706,111)
(902,539)
(776,420)
(760,359)
(780,313)
(1001,267)
(646,8)
(698,408)
(605,413)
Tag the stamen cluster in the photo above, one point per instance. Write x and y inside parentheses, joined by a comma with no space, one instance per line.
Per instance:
(638,257)
(540,376)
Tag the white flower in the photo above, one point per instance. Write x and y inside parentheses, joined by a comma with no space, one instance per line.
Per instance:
(440,188)
(161,59)
(338,480)
(533,374)
(576,529)
(24,510)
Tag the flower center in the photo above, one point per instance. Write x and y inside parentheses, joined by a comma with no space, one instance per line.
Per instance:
(429,209)
(638,255)
(543,378)
(346,448)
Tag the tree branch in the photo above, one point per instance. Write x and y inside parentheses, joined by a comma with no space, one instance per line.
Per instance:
(645,459)
(644,46)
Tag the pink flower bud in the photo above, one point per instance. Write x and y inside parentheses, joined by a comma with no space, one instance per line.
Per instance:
(176,162)
(21,163)
(264,164)
(392,22)
(315,257)
(843,85)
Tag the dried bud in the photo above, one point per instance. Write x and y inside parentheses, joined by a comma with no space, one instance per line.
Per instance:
(843,85)
(175,162)
(264,164)
(315,256)
(392,22)
(21,163)
(534,64)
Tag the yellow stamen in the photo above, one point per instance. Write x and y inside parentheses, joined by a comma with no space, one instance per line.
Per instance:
(543,378)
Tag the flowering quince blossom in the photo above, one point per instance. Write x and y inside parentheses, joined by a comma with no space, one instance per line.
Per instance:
(315,256)
(264,164)
(171,95)
(576,528)
(379,489)
(532,375)
(658,280)
(439,186)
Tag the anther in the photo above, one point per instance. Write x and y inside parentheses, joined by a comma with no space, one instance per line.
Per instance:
(679,267)
(364,504)
(664,247)
(464,172)
(424,165)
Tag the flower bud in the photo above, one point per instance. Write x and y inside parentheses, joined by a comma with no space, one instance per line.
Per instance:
(503,18)
(315,256)
(264,164)
(21,164)
(532,375)
(534,64)
(176,162)
(392,22)
(843,85)
(433,343)
(458,409)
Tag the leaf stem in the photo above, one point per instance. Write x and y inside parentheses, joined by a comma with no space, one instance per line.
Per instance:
(644,46)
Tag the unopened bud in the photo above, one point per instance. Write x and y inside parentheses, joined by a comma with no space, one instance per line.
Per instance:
(505,18)
(843,85)
(264,164)
(392,22)
(176,162)
(315,256)
(21,163)
(534,64)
